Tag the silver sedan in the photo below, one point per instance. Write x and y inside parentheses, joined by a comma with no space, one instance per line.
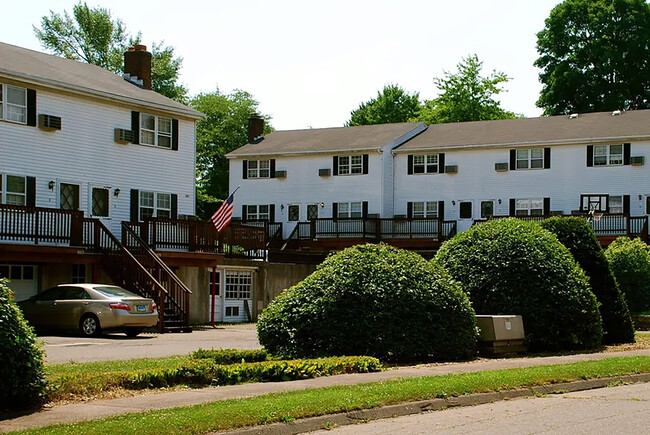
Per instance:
(91,309)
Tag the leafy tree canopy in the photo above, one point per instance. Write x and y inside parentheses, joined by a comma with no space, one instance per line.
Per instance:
(92,35)
(224,129)
(466,95)
(393,104)
(594,56)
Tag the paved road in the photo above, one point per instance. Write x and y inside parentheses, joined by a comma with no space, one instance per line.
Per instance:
(623,409)
(119,347)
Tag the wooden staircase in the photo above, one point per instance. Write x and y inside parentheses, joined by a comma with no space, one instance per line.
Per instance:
(136,267)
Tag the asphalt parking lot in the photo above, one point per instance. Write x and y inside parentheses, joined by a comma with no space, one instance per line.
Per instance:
(117,346)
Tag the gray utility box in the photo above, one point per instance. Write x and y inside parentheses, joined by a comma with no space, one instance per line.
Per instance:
(500,334)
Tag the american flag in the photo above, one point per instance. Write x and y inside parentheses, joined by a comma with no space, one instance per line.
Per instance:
(221,217)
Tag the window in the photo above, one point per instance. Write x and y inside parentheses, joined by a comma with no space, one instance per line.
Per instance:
(16,272)
(154,204)
(487,209)
(608,155)
(259,169)
(216,280)
(13,104)
(350,165)
(257,212)
(13,190)
(593,202)
(155,130)
(530,159)
(465,210)
(294,213)
(425,209)
(78,273)
(99,206)
(68,196)
(616,204)
(232,311)
(425,164)
(312,212)
(350,210)
(239,284)
(529,207)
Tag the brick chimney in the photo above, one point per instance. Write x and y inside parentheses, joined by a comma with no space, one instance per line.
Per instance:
(255,128)
(137,63)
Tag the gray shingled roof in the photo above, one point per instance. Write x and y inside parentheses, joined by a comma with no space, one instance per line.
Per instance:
(591,127)
(327,140)
(37,68)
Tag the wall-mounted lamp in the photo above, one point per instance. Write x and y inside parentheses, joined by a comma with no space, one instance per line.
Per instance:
(116,193)
(640,197)
(453,203)
(322,205)
(499,202)
(51,184)
(281,206)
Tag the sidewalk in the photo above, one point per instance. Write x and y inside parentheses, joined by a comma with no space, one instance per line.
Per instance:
(106,408)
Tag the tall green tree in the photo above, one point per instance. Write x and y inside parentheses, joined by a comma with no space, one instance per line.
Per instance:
(595,56)
(466,95)
(393,104)
(224,129)
(91,35)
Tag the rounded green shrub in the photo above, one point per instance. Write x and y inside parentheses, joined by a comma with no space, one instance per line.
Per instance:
(576,234)
(372,300)
(508,266)
(22,382)
(630,263)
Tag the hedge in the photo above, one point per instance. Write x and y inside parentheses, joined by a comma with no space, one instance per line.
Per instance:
(230,356)
(509,266)
(630,263)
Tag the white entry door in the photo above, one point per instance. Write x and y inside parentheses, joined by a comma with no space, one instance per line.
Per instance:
(233,301)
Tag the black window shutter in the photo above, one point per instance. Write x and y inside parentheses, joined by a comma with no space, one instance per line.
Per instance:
(513,160)
(441,163)
(512,207)
(31,107)
(30,200)
(135,126)
(243,212)
(441,210)
(409,209)
(365,163)
(175,134)
(244,169)
(547,207)
(271,212)
(272,168)
(590,155)
(335,165)
(335,210)
(409,169)
(174,212)
(626,204)
(626,153)
(364,209)
(135,205)
(547,158)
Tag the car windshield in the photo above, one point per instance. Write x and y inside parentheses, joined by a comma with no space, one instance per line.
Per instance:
(111,291)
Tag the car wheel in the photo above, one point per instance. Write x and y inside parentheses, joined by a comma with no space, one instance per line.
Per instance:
(89,326)
(132,332)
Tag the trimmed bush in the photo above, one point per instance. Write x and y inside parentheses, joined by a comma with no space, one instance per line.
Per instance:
(630,263)
(508,266)
(372,300)
(576,234)
(230,356)
(22,382)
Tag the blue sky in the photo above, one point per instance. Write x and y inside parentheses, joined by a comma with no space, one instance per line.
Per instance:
(310,63)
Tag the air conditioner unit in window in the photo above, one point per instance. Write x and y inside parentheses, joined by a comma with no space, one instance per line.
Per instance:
(324,172)
(451,169)
(280,174)
(49,122)
(637,160)
(123,136)
(500,167)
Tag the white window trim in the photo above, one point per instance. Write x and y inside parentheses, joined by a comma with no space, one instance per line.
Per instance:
(241,294)
(427,161)
(609,156)
(157,133)
(289,213)
(609,203)
(350,168)
(257,215)
(529,207)
(4,103)
(480,205)
(528,159)
(156,209)
(425,213)
(4,192)
(257,171)
(348,213)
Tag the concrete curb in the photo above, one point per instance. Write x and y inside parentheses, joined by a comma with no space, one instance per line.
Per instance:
(402,409)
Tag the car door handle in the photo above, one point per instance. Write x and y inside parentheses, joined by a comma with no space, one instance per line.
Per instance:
(85,303)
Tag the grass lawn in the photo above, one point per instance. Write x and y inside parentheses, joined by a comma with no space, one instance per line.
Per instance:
(232,414)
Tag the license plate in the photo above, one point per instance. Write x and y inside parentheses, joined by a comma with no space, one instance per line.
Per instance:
(141,308)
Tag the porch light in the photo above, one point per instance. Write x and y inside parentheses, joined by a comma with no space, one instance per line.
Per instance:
(51,184)
(116,192)
(322,205)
